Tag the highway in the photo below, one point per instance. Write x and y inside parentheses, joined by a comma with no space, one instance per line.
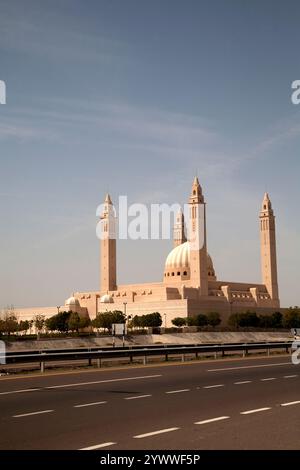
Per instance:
(246,403)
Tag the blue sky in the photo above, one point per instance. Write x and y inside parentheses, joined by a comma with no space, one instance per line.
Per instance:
(135,97)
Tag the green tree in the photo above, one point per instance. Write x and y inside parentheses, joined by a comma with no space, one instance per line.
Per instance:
(201,320)
(213,319)
(291,318)
(265,321)
(84,321)
(9,321)
(39,323)
(277,318)
(234,320)
(179,321)
(10,324)
(106,319)
(152,320)
(74,322)
(249,319)
(59,322)
(136,322)
(191,321)
(2,327)
(23,325)
(118,316)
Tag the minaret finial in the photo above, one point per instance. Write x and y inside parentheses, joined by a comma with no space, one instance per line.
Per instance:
(108,198)
(196,194)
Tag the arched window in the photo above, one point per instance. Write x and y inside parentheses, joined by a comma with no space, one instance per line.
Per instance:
(173,274)
(185,273)
(178,273)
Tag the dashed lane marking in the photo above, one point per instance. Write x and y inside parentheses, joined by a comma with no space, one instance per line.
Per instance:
(258,410)
(137,397)
(90,404)
(154,433)
(214,386)
(290,403)
(99,446)
(32,414)
(242,382)
(212,420)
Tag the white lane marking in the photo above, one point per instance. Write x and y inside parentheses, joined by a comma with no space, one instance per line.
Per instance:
(137,397)
(90,404)
(154,433)
(99,446)
(290,403)
(179,391)
(104,381)
(20,391)
(212,420)
(254,411)
(243,382)
(214,386)
(290,376)
(32,414)
(249,367)
(268,378)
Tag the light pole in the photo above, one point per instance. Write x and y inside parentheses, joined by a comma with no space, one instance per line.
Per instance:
(58,307)
(165,320)
(125,304)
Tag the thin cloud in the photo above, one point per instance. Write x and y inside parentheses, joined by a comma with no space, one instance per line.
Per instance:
(31,34)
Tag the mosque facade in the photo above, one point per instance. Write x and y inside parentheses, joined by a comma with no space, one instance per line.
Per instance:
(189,284)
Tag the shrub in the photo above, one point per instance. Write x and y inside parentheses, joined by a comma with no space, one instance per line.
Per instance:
(234,320)
(179,321)
(201,320)
(248,319)
(213,319)
(191,321)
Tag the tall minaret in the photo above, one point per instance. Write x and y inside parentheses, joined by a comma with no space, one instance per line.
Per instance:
(179,230)
(108,267)
(268,248)
(197,239)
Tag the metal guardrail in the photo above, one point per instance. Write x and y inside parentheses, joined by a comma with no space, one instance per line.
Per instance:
(129,352)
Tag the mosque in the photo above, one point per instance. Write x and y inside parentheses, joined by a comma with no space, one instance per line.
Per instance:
(190,284)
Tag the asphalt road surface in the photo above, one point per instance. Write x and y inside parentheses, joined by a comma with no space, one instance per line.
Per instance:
(224,404)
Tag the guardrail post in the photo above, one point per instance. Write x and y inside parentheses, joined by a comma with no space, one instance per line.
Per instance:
(42,366)
(167,357)
(182,358)
(145,360)
(99,362)
(268,351)
(287,350)
(216,355)
(90,362)
(196,355)
(245,352)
